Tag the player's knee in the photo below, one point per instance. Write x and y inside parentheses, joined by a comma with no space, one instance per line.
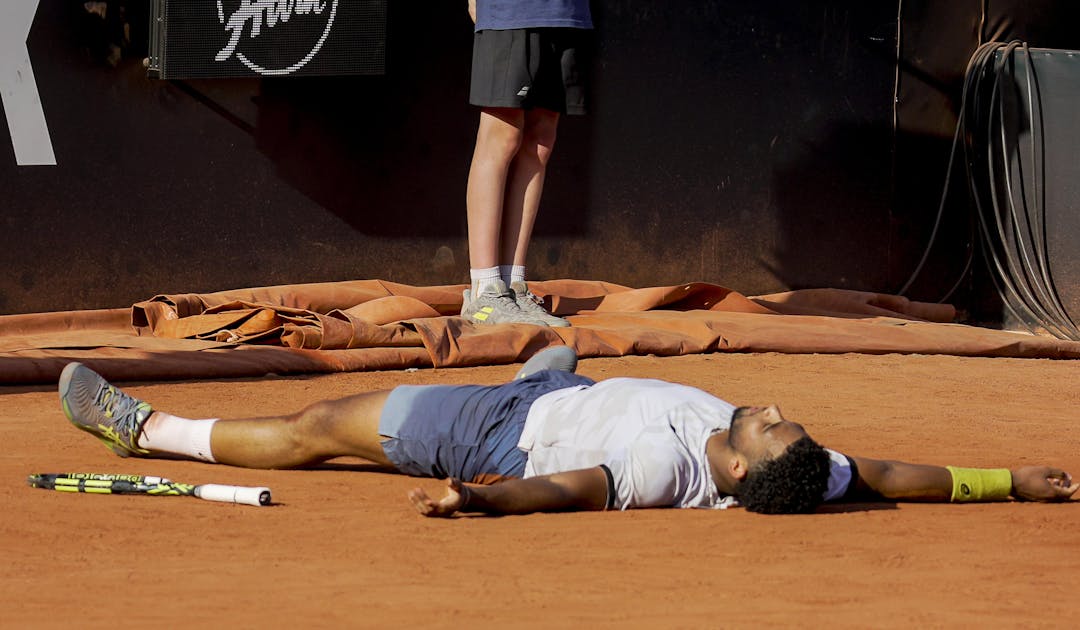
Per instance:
(309,429)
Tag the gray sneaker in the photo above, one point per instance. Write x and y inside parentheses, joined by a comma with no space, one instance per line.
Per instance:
(95,406)
(533,305)
(496,305)
(562,358)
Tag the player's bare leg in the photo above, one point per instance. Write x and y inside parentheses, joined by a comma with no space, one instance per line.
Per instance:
(131,427)
(335,428)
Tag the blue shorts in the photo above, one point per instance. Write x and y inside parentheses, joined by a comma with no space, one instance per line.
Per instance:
(465,431)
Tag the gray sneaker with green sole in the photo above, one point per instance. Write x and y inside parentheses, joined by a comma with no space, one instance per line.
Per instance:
(496,305)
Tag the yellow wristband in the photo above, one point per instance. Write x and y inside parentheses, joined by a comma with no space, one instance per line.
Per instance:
(980,484)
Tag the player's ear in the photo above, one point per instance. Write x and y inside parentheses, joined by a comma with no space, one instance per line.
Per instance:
(737,467)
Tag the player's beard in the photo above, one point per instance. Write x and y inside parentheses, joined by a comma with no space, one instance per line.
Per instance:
(735,428)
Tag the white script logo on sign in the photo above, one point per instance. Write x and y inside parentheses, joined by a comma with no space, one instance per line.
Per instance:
(275,16)
(18,89)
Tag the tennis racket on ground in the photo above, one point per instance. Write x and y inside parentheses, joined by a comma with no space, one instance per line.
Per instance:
(99,483)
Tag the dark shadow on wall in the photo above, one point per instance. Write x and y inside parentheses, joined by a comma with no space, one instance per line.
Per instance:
(922,162)
(832,196)
(830,158)
(389,155)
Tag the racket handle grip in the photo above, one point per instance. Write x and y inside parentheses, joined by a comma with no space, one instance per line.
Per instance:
(233,494)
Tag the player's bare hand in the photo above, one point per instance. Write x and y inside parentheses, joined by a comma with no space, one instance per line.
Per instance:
(451,502)
(1043,483)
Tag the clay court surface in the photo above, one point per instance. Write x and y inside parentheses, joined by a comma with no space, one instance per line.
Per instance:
(343,548)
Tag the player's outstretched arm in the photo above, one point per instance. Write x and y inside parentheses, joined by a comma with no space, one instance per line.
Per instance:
(576,490)
(918,482)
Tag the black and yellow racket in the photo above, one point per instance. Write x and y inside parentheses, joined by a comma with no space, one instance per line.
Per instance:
(101,483)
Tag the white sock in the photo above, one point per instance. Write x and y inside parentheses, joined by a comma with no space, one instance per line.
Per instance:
(164,433)
(517,274)
(481,278)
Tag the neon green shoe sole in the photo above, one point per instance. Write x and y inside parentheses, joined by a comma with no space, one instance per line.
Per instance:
(104,411)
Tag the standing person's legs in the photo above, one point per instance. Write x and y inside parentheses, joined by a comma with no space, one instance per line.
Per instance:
(501,79)
(524,188)
(556,87)
(498,138)
(525,184)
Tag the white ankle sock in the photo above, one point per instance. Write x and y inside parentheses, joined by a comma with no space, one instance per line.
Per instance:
(165,433)
(481,278)
(517,274)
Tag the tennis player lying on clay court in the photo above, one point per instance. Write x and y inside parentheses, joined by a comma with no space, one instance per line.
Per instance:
(552,440)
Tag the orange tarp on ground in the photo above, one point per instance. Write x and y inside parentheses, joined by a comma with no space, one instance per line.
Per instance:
(378,325)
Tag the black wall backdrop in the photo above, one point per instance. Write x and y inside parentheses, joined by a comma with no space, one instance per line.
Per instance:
(753,145)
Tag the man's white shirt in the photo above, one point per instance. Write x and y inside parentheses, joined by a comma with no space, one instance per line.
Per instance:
(649,434)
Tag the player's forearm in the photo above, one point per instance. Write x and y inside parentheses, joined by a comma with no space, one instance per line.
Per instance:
(903,481)
(553,493)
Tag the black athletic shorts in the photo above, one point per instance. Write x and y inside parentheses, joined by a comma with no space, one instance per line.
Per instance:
(530,67)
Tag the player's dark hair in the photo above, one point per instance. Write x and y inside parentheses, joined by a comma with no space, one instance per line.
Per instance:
(792,483)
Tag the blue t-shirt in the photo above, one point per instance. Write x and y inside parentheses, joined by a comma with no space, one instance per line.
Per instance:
(501,15)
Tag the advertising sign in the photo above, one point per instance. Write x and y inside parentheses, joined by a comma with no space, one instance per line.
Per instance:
(271,38)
